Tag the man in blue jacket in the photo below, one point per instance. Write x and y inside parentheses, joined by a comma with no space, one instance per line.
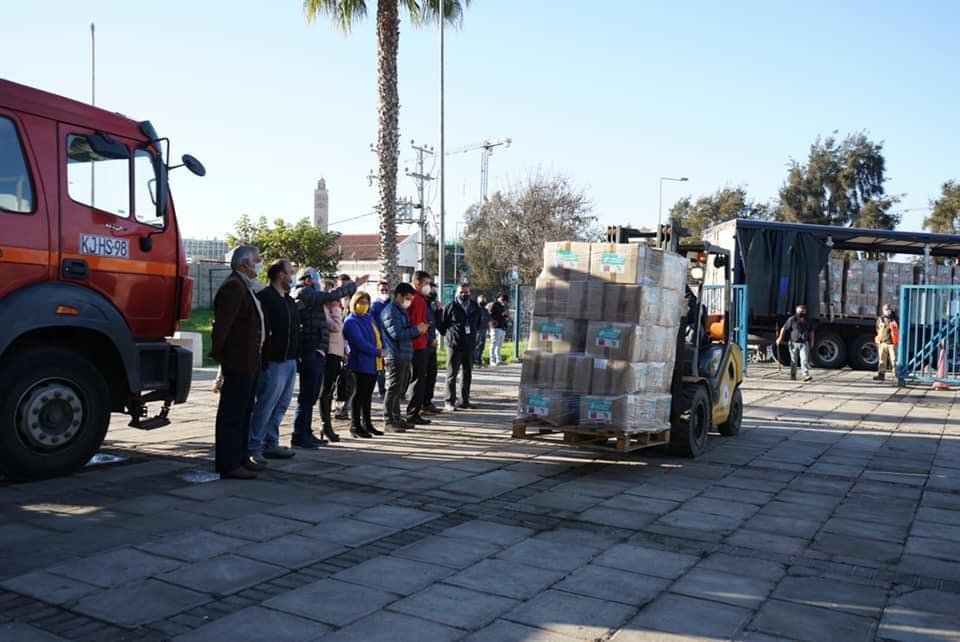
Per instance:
(461,319)
(398,336)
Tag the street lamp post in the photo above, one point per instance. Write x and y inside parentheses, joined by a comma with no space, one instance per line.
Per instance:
(443,174)
(682,179)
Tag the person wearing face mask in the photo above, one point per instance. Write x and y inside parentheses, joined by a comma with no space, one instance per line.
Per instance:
(436,313)
(398,336)
(800,329)
(344,380)
(888,336)
(375,311)
(459,324)
(314,344)
(481,340)
(336,355)
(418,313)
(279,365)
(239,334)
(366,359)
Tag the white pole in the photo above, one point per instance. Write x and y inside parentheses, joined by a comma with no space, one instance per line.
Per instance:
(443,174)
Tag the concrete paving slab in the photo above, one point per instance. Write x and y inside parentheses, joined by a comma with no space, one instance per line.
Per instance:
(506,578)
(492,532)
(227,507)
(618,517)
(348,532)
(258,527)
(935,531)
(51,588)
(556,556)
(115,567)
(741,495)
(395,516)
(613,585)
(694,520)
(939,515)
(647,560)
(395,574)
(639,504)
(223,575)
(139,602)
(313,512)
(193,546)
(575,616)
(857,547)
(929,547)
(454,606)
(911,625)
(255,624)
(558,500)
(597,539)
(738,590)
(504,631)
(21,632)
(929,567)
(770,542)
(390,627)
(292,551)
(830,593)
(331,601)
(712,506)
(686,617)
(454,552)
(743,566)
(885,532)
(801,622)
(801,528)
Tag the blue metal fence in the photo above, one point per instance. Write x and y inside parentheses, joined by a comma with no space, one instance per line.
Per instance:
(713,298)
(929,319)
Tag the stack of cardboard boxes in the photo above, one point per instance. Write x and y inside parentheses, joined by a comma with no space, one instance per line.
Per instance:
(859,288)
(603,337)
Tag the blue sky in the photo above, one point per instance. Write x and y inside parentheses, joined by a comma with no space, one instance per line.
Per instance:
(612,93)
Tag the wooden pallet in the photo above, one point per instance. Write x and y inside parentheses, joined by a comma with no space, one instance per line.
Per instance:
(589,437)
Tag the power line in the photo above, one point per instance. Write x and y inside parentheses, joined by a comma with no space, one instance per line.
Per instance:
(347,220)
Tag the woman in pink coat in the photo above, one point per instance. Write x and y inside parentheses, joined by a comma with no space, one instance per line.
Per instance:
(336,356)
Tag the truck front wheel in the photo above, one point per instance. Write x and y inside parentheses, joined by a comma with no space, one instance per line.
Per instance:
(830,350)
(54,413)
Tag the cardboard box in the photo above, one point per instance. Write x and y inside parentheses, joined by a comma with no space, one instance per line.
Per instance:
(551,406)
(617,341)
(551,297)
(572,373)
(566,260)
(671,268)
(617,262)
(626,413)
(537,369)
(551,334)
(626,303)
(672,308)
(585,300)
(624,377)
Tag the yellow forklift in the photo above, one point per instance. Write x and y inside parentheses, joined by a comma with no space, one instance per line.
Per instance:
(709,364)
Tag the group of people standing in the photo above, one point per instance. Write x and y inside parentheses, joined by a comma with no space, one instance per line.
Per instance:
(262,337)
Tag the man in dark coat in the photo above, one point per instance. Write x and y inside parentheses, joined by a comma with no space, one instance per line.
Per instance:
(459,324)
(239,332)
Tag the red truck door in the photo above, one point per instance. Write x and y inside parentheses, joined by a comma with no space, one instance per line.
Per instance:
(111,238)
(24,232)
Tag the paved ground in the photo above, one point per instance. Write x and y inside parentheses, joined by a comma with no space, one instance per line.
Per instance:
(835,515)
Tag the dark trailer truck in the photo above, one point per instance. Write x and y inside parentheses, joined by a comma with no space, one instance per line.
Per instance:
(786,264)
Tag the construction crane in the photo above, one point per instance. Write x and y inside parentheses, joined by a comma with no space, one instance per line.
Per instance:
(487,147)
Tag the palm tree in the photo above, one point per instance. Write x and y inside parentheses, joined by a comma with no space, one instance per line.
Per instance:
(344,13)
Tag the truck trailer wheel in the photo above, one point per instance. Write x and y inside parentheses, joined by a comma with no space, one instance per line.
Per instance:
(830,350)
(690,425)
(54,413)
(731,426)
(864,354)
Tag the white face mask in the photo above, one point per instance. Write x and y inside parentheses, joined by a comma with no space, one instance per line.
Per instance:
(384,297)
(425,290)
(258,267)
(407,303)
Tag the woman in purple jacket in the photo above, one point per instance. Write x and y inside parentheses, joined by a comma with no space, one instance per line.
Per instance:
(364,362)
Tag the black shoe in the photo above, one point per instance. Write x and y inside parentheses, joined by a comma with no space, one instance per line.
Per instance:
(406,425)
(370,428)
(278,452)
(309,442)
(360,433)
(329,433)
(417,420)
(254,465)
(394,427)
(466,405)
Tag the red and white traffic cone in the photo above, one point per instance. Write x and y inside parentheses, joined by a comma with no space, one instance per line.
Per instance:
(941,372)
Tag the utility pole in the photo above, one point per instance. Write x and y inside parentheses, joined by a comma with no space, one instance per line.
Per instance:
(93,101)
(421,178)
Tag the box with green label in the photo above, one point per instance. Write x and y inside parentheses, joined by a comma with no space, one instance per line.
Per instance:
(566,260)
(617,341)
(625,377)
(551,334)
(551,406)
(617,262)
(626,413)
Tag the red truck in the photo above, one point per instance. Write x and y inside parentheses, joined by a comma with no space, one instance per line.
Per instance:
(93,276)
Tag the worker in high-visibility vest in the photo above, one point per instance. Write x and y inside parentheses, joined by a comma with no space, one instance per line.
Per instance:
(888,336)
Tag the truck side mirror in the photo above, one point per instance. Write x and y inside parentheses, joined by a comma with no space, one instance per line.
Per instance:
(194,165)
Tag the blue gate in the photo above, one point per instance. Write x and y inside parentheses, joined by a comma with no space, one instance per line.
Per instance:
(713,298)
(929,318)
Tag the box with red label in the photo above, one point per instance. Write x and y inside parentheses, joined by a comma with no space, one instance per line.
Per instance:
(551,406)
(566,260)
(626,413)
(551,334)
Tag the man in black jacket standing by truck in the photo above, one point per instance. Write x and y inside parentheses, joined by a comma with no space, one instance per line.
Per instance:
(278,363)
(459,324)
(800,329)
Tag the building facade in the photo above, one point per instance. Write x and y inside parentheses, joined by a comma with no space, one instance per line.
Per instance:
(206,249)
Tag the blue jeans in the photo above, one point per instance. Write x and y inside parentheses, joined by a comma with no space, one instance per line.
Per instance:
(799,352)
(312,368)
(481,343)
(274,392)
(496,349)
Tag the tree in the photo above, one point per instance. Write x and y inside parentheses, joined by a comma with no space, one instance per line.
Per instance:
(723,205)
(945,211)
(302,243)
(840,184)
(509,229)
(344,13)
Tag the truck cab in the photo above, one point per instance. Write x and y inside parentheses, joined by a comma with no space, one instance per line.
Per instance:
(92,278)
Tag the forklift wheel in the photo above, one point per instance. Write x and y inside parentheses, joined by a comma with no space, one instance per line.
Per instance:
(689,428)
(732,425)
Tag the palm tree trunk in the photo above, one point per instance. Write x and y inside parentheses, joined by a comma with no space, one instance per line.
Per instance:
(388,136)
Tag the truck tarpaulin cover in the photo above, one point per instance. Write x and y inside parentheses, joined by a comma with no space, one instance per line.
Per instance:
(782,268)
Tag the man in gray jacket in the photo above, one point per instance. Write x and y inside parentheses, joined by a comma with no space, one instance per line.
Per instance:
(314,343)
